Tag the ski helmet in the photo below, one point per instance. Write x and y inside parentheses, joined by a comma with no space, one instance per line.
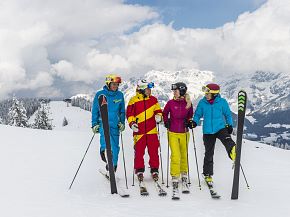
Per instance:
(181,87)
(211,88)
(113,78)
(143,84)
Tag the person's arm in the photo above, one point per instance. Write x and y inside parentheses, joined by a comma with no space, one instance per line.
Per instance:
(198,114)
(122,110)
(130,113)
(95,111)
(166,112)
(227,113)
(190,113)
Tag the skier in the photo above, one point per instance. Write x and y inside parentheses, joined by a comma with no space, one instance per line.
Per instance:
(116,114)
(217,123)
(180,111)
(143,112)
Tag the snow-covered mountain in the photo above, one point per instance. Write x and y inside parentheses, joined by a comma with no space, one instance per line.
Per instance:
(268,105)
(37,167)
(268,98)
(267,91)
(194,79)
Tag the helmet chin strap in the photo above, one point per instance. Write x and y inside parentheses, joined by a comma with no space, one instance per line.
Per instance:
(109,87)
(142,92)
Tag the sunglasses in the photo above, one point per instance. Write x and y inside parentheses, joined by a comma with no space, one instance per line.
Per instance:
(175,87)
(205,89)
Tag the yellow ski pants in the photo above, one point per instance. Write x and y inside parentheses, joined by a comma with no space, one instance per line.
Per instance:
(178,145)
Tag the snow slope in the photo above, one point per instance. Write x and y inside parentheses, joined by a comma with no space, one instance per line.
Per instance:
(77,118)
(37,167)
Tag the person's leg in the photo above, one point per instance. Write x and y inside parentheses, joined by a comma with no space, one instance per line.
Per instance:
(209,144)
(175,155)
(184,138)
(228,142)
(153,146)
(115,146)
(140,145)
(102,145)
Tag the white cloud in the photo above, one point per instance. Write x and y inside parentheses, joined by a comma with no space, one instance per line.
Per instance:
(39,36)
(80,41)
(255,41)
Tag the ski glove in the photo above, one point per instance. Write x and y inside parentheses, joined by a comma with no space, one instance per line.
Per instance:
(135,128)
(158,119)
(230,129)
(96,128)
(167,124)
(191,124)
(121,127)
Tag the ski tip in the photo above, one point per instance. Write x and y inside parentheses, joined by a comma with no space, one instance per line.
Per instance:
(125,196)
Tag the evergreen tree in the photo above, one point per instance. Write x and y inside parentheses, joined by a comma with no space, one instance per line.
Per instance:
(17,114)
(41,120)
(64,122)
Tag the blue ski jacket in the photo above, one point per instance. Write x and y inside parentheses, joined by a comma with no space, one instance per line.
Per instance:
(215,116)
(116,108)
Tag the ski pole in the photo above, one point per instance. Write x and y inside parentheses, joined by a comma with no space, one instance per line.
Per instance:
(196,159)
(81,162)
(167,158)
(125,170)
(245,177)
(135,138)
(133,164)
(160,153)
(187,159)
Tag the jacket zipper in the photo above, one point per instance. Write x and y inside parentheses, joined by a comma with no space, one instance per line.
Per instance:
(145,120)
(211,118)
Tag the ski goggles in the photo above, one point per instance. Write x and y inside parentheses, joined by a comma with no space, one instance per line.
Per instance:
(175,87)
(205,89)
(116,79)
(144,86)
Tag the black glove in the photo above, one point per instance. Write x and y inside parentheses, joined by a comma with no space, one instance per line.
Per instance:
(191,124)
(167,124)
(230,129)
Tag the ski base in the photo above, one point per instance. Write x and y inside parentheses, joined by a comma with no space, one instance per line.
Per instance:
(212,191)
(121,191)
(161,192)
(185,189)
(143,189)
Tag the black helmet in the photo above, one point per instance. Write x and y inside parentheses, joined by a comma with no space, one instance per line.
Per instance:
(181,87)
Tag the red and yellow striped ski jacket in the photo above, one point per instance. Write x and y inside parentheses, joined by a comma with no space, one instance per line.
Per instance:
(142,110)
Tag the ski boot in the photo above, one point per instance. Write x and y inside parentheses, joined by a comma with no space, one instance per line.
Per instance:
(185,186)
(175,190)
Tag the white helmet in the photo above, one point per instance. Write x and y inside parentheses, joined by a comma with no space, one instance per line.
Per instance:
(143,84)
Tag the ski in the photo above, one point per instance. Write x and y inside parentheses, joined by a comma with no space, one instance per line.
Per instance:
(161,192)
(184,186)
(143,189)
(175,192)
(103,105)
(121,191)
(213,192)
(242,103)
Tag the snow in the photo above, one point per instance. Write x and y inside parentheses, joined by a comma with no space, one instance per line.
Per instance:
(88,97)
(251,119)
(37,167)
(78,119)
(287,126)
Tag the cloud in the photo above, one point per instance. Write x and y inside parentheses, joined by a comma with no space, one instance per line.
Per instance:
(255,41)
(78,42)
(43,36)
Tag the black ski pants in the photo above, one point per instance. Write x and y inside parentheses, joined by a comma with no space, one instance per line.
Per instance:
(209,143)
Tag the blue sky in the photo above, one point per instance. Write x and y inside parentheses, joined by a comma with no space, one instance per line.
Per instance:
(199,13)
